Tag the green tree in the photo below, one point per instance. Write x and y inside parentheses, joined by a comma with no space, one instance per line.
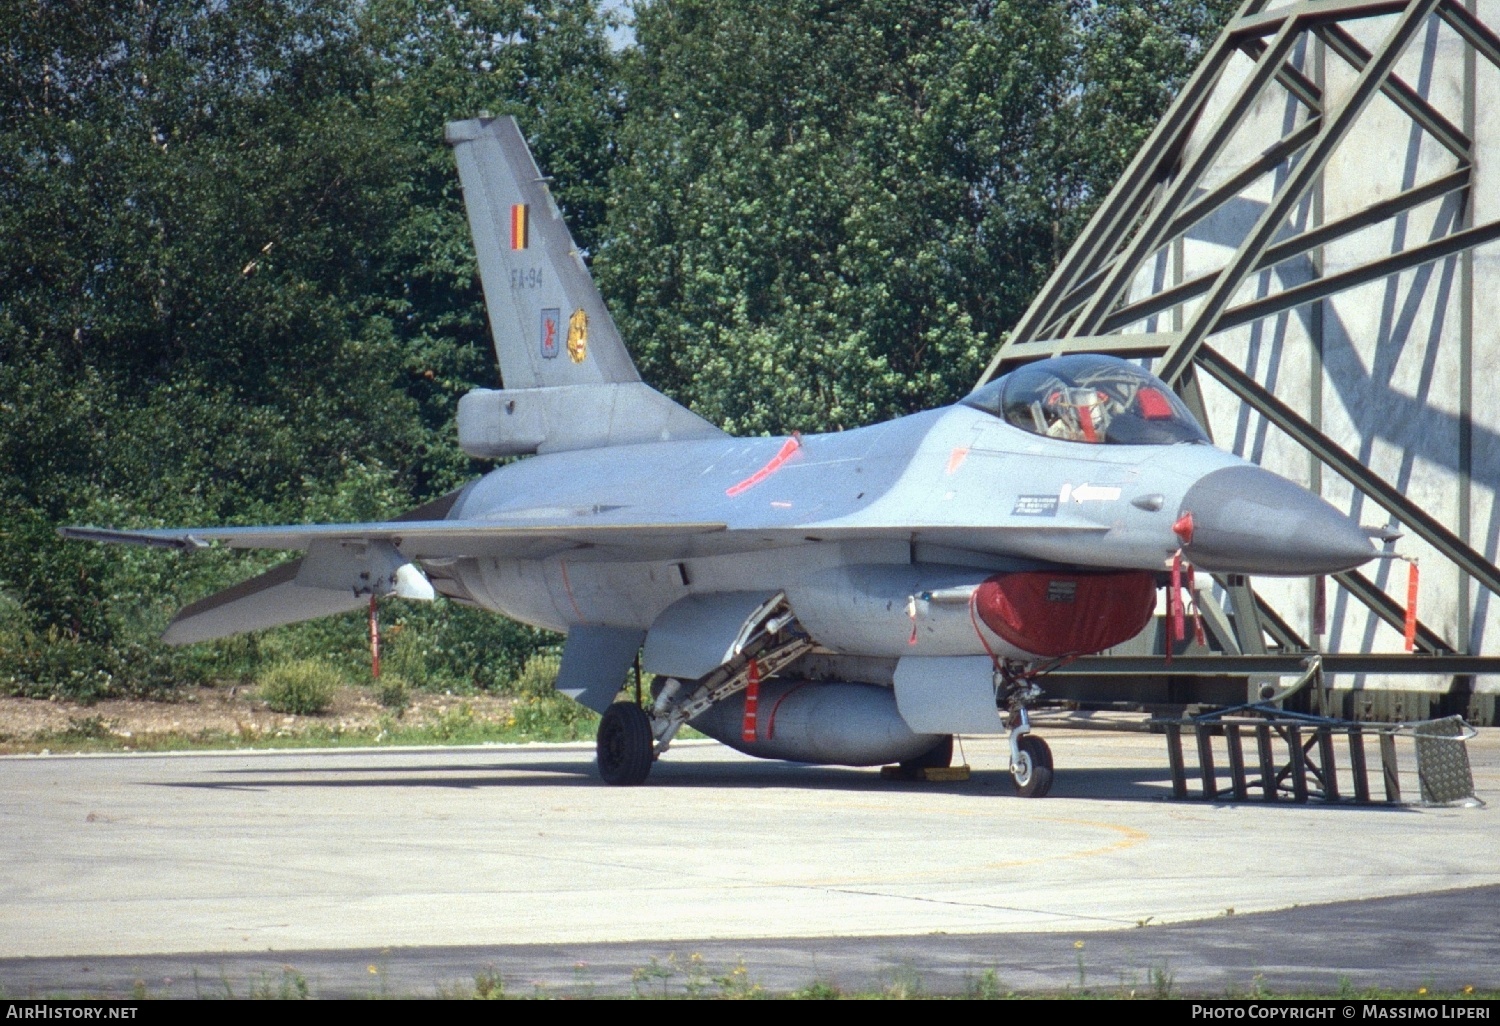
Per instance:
(1132,60)
(827,213)
(236,284)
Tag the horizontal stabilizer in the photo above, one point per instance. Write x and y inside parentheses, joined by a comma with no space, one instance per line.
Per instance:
(271,600)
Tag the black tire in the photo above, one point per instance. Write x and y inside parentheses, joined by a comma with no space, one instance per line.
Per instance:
(939,756)
(1033,774)
(624,745)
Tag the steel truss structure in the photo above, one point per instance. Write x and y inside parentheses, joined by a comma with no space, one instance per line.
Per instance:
(1092,301)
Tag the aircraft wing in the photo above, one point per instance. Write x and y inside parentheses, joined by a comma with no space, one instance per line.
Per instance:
(342,559)
(437,538)
(335,576)
(416,537)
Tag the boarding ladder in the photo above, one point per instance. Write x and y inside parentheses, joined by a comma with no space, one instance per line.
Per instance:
(1296,756)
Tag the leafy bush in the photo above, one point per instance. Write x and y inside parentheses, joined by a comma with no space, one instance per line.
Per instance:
(552,717)
(57,663)
(85,728)
(301,687)
(393,692)
(443,646)
(455,725)
(539,675)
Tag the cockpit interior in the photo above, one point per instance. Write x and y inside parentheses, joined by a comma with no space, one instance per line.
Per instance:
(1098,400)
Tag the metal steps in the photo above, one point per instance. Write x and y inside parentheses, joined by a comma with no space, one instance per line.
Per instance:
(1310,758)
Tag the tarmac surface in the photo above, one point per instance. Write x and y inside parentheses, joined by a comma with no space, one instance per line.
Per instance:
(412,871)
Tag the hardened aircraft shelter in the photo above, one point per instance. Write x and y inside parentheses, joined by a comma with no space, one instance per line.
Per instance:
(1306,249)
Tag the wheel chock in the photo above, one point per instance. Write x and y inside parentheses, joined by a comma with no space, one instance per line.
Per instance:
(931,774)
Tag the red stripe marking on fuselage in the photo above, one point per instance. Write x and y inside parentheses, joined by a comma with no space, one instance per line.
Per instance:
(788,447)
(568,587)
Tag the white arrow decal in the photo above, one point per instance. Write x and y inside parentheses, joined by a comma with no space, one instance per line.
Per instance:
(1095,493)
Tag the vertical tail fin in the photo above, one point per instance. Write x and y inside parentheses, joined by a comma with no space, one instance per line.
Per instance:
(548,320)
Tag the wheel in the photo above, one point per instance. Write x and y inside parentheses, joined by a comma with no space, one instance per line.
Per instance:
(624,746)
(939,756)
(1033,772)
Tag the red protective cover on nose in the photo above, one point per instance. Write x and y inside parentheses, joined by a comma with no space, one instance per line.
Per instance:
(1057,614)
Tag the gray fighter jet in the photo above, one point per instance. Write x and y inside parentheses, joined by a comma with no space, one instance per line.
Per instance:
(854,598)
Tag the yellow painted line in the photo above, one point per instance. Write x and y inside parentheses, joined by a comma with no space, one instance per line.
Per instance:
(1129,837)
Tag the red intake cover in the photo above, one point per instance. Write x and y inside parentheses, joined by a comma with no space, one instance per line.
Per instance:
(1057,614)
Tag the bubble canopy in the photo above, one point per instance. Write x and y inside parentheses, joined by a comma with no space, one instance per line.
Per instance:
(1100,400)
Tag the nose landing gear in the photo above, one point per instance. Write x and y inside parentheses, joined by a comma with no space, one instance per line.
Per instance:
(1031,766)
(1030,756)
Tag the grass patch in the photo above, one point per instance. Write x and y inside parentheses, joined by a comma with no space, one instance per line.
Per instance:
(692,977)
(543,718)
(401,713)
(553,717)
(85,728)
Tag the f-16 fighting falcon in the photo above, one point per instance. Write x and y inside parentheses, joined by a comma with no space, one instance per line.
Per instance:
(853,598)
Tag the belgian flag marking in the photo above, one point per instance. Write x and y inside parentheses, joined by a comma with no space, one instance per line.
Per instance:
(518,225)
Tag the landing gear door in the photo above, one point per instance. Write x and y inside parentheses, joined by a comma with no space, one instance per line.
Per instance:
(696,635)
(594,662)
(948,695)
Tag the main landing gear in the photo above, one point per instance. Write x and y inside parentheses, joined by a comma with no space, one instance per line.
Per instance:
(625,746)
(631,738)
(1030,757)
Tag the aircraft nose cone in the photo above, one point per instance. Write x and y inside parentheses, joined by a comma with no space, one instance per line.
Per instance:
(1248,520)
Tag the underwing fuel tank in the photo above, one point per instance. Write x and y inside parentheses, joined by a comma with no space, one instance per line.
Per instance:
(832,722)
